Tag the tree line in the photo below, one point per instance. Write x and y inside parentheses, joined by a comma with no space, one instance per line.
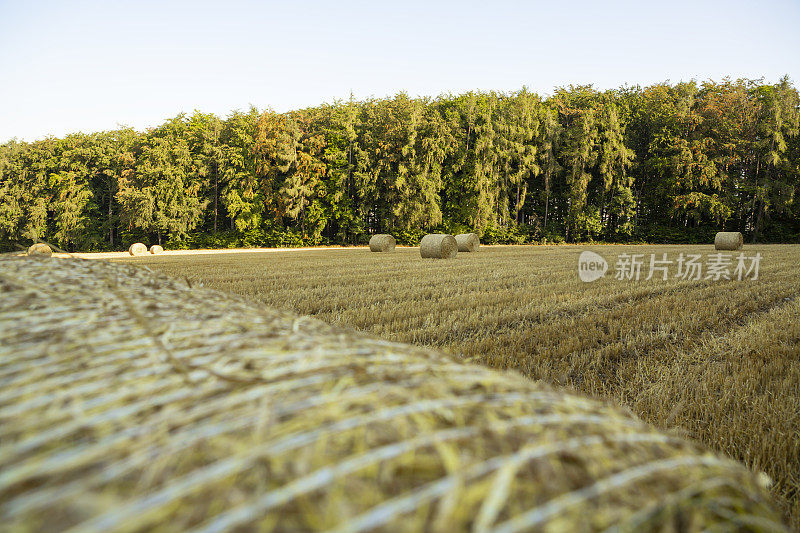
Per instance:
(663,163)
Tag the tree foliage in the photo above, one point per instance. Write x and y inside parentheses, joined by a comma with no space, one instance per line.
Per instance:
(635,163)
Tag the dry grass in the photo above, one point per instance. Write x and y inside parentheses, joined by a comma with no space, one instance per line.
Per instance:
(718,360)
(131,402)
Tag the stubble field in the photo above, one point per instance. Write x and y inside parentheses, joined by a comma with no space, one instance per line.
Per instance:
(718,361)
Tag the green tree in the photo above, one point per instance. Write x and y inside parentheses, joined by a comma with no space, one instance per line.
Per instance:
(162,197)
(550,144)
(578,116)
(208,158)
(618,206)
(303,188)
(242,196)
(337,123)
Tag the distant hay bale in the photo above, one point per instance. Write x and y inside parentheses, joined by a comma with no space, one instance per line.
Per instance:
(438,246)
(111,421)
(137,249)
(382,243)
(156,249)
(468,242)
(728,240)
(40,249)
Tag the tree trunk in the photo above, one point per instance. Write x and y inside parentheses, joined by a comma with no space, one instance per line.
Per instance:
(546,205)
(110,215)
(604,223)
(759,221)
(547,183)
(216,198)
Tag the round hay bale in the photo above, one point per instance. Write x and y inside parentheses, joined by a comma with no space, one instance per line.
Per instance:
(156,249)
(40,249)
(137,249)
(468,242)
(438,246)
(270,420)
(382,243)
(728,240)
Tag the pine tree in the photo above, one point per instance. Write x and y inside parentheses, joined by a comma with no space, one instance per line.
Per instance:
(303,186)
(337,122)
(550,144)
(162,197)
(241,194)
(618,205)
(208,158)
(578,109)
(778,182)
(12,193)
(275,150)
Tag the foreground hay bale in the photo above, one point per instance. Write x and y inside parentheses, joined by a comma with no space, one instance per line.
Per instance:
(438,246)
(728,240)
(382,243)
(137,249)
(178,407)
(468,242)
(156,249)
(40,249)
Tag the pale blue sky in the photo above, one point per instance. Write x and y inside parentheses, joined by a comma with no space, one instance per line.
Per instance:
(91,65)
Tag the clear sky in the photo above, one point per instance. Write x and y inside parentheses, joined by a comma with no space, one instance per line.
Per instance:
(92,65)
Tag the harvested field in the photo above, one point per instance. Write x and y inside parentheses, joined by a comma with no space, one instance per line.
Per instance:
(132,402)
(718,360)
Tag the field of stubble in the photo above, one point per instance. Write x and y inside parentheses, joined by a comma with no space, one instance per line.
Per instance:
(717,361)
